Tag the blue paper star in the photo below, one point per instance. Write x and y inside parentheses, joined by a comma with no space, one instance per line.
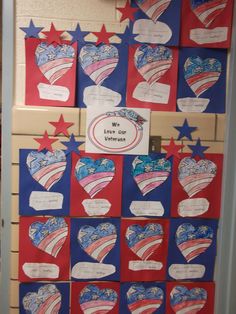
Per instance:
(31,31)
(127,36)
(78,35)
(198,149)
(72,145)
(185,130)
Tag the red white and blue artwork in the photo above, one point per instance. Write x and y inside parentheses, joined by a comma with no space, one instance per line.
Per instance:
(188,298)
(99,71)
(156,22)
(144,249)
(146,186)
(95,249)
(152,76)
(43,177)
(196,188)
(192,249)
(93,300)
(50,73)
(206,23)
(187,301)
(202,80)
(51,298)
(44,248)
(95,297)
(96,185)
(191,241)
(142,298)
(49,237)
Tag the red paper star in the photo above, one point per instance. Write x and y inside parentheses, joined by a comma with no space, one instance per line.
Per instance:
(45,142)
(53,36)
(61,126)
(103,36)
(127,12)
(172,149)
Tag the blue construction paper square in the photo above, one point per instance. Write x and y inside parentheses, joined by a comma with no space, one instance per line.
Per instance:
(139,294)
(28,184)
(115,81)
(131,192)
(47,289)
(216,93)
(170,17)
(197,236)
(98,239)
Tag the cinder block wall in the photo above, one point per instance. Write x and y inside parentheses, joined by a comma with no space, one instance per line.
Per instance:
(30,122)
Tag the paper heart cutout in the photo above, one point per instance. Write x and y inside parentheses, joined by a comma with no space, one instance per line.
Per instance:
(47,169)
(98,62)
(196,176)
(142,301)
(187,301)
(98,242)
(208,10)
(149,173)
(144,241)
(50,236)
(47,300)
(201,75)
(153,8)
(93,300)
(193,241)
(54,62)
(152,62)
(94,175)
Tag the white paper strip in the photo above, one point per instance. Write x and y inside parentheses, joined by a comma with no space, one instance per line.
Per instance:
(145,265)
(96,207)
(41,270)
(182,271)
(146,208)
(149,32)
(45,200)
(86,270)
(53,92)
(189,104)
(209,36)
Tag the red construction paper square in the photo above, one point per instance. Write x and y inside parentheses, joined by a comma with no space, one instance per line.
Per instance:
(169,78)
(212,192)
(111,192)
(159,255)
(34,77)
(29,253)
(190,21)
(208,286)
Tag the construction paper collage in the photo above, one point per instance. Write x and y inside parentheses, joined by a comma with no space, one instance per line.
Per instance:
(124,233)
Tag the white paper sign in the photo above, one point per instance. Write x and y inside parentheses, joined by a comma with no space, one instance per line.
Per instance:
(190,104)
(86,270)
(53,92)
(96,207)
(117,131)
(149,32)
(182,271)
(101,96)
(145,265)
(156,93)
(146,208)
(193,207)
(45,200)
(41,270)
(209,36)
